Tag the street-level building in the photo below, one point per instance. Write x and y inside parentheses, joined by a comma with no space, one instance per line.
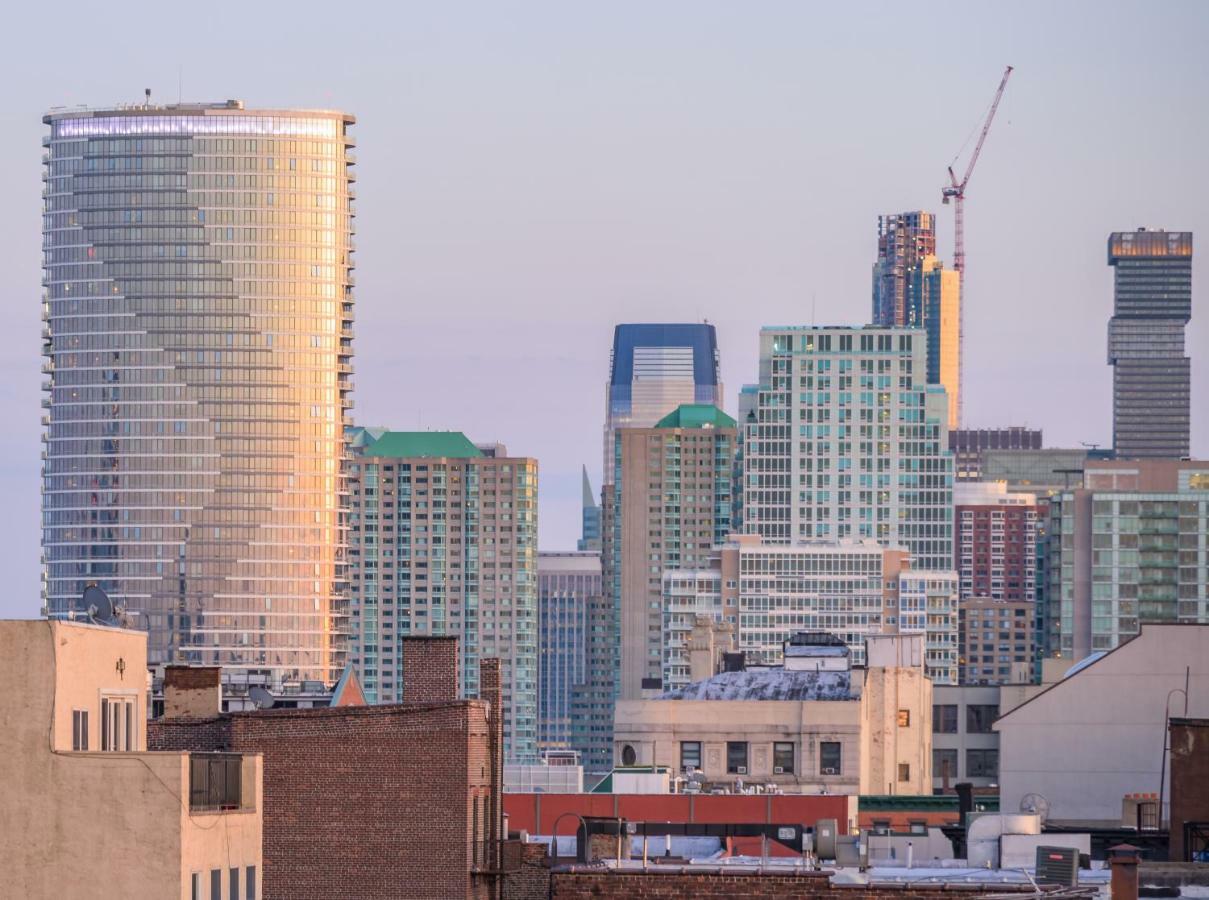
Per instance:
(81,792)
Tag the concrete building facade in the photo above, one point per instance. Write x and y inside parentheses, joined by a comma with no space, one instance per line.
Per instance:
(1151,375)
(198,309)
(811,725)
(996,640)
(672,504)
(84,804)
(968,445)
(850,442)
(443,541)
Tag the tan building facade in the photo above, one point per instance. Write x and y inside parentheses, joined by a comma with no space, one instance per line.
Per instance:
(83,804)
(812,726)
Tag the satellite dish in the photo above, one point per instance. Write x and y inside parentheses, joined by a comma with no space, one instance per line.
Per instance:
(100,609)
(261,697)
(1035,804)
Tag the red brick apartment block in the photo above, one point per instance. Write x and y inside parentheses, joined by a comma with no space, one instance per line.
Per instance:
(360,803)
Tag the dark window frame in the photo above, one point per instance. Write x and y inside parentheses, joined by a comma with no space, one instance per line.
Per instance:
(687,757)
(784,754)
(834,750)
(737,757)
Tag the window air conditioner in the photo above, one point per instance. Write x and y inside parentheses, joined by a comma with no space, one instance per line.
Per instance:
(778,770)
(742,770)
(829,771)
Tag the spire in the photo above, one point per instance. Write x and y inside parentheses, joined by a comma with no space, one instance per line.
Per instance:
(589,498)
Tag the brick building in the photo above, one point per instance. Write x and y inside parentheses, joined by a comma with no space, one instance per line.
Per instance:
(996,641)
(995,542)
(361,802)
(1189,795)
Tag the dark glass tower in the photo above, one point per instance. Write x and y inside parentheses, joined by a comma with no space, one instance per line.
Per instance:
(1152,302)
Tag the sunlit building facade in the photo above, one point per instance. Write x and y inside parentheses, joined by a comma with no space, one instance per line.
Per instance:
(198,308)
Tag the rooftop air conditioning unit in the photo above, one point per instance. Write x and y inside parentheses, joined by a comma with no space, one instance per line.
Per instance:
(778,770)
(742,770)
(1058,865)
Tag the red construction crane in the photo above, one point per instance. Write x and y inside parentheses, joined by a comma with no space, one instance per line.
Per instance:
(957,190)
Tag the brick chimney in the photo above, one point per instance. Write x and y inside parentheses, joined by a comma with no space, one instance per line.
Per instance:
(430,669)
(192,692)
(491,690)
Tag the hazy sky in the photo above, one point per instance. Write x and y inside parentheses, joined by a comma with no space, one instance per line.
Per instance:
(530,174)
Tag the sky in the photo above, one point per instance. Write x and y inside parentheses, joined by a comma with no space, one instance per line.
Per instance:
(531,174)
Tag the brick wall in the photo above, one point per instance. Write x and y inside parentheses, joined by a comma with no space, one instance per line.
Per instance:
(531,881)
(430,669)
(1189,779)
(366,802)
(583,884)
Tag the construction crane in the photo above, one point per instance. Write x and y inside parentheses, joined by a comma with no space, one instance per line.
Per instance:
(956,190)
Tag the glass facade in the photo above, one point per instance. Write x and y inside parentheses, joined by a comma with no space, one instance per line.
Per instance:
(198,310)
(568,586)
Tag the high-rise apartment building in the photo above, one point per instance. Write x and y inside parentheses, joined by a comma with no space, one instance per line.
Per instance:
(850,442)
(672,505)
(1152,302)
(443,541)
(652,370)
(904,241)
(995,543)
(589,538)
(1131,545)
(996,641)
(568,585)
(767,593)
(198,309)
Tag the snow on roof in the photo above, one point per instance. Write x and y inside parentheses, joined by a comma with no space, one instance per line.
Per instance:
(767,684)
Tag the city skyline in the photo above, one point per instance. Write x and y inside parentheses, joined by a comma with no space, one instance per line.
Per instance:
(722,233)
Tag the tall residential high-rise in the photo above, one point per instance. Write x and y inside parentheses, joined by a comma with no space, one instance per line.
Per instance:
(995,545)
(1129,545)
(850,442)
(904,241)
(996,638)
(443,541)
(568,587)
(590,515)
(198,309)
(672,504)
(767,593)
(1152,302)
(652,370)
(913,289)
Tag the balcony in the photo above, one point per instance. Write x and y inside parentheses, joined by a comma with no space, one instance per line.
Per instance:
(216,782)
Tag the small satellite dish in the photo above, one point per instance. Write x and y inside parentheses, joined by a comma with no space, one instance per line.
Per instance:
(261,697)
(97,604)
(1035,804)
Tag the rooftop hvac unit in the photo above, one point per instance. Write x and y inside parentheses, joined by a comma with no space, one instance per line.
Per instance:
(1058,865)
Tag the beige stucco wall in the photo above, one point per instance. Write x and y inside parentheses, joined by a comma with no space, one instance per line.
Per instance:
(1098,734)
(72,821)
(655,729)
(886,743)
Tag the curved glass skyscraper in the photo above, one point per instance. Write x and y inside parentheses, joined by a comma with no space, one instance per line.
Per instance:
(198,308)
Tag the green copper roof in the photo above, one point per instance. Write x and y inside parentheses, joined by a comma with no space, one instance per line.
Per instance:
(410,444)
(696,415)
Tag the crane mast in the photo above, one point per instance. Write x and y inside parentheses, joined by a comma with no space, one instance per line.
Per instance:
(956,190)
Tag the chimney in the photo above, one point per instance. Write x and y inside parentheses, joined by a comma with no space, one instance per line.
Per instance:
(430,669)
(491,690)
(192,692)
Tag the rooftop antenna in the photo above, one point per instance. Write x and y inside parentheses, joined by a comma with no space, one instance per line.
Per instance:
(146,96)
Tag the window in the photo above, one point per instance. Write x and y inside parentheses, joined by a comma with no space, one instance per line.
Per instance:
(982,763)
(782,757)
(216,884)
(250,883)
(736,757)
(79,729)
(918,826)
(195,882)
(944,718)
(829,758)
(980,717)
(690,754)
(629,756)
(942,759)
(233,888)
(904,718)
(904,771)
(117,724)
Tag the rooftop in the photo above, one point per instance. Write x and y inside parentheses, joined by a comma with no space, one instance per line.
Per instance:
(419,444)
(696,415)
(768,684)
